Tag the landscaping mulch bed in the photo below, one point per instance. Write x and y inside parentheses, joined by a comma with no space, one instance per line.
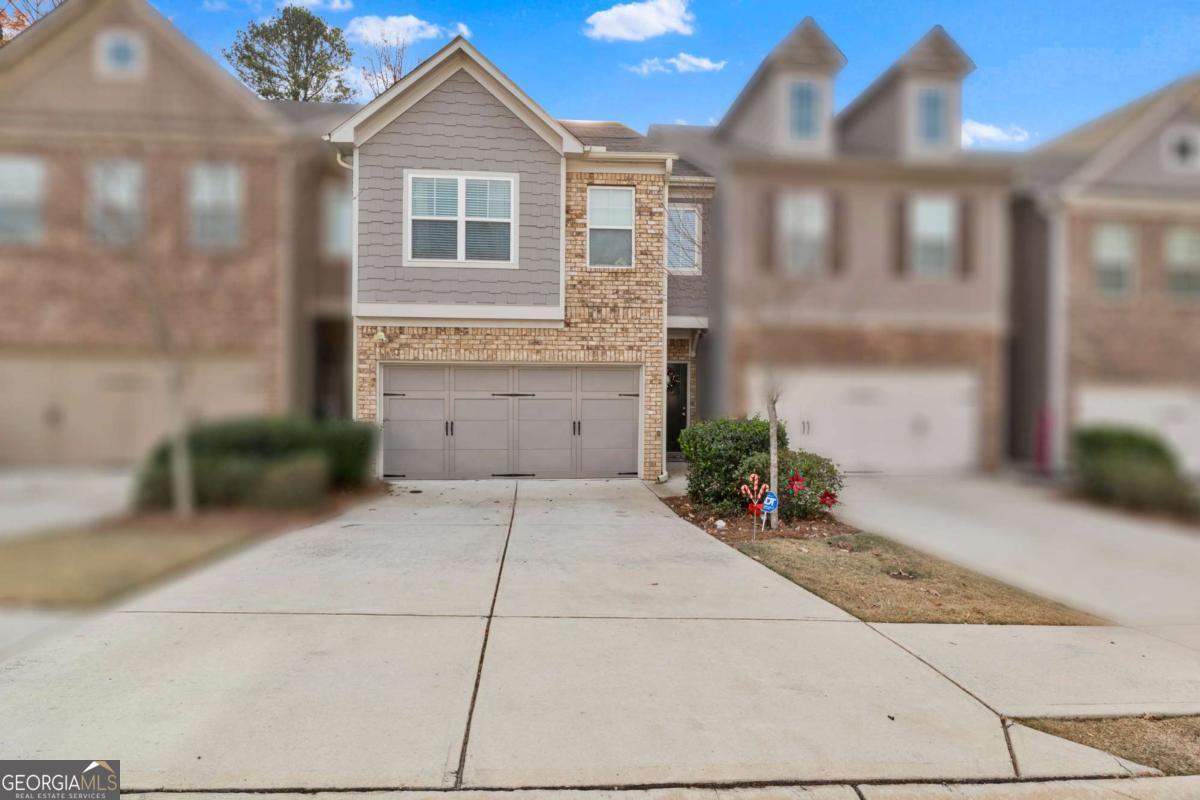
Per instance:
(1171,744)
(743,527)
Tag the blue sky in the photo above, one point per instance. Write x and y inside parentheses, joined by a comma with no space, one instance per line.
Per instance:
(1043,66)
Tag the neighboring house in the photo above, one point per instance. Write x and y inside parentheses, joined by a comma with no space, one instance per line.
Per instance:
(510,281)
(138,176)
(1106,303)
(863,263)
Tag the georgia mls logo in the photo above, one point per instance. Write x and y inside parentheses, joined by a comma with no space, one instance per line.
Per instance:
(60,780)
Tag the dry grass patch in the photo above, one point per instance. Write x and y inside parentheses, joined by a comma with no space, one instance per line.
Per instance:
(878,580)
(1171,744)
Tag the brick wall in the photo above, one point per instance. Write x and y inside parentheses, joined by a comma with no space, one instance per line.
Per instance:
(613,316)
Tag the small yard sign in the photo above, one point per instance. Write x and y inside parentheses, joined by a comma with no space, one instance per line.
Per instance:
(770,503)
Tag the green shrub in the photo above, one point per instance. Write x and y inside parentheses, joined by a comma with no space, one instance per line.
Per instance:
(218,482)
(348,446)
(819,474)
(1129,468)
(715,450)
(1101,441)
(297,482)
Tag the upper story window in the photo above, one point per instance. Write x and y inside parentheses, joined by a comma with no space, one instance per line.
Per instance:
(456,218)
(933,236)
(22,199)
(610,226)
(803,232)
(120,53)
(804,111)
(216,205)
(336,221)
(1113,247)
(1181,148)
(115,206)
(683,238)
(1183,261)
(933,117)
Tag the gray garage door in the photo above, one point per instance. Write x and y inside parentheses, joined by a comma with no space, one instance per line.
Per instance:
(485,422)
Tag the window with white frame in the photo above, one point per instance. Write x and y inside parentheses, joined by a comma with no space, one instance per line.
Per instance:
(803,232)
(933,236)
(610,226)
(461,219)
(683,238)
(216,205)
(336,221)
(120,53)
(1113,247)
(115,207)
(933,117)
(1183,261)
(804,111)
(22,199)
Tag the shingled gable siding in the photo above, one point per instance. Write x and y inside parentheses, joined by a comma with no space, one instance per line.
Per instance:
(613,316)
(459,126)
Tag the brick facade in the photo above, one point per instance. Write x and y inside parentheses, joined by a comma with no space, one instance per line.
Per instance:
(613,316)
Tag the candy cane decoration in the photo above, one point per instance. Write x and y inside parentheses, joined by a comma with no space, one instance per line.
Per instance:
(754,493)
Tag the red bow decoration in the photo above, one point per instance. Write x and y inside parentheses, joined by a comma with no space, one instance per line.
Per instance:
(796,483)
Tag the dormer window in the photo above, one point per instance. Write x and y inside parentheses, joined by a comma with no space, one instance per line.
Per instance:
(120,54)
(805,111)
(1181,148)
(933,118)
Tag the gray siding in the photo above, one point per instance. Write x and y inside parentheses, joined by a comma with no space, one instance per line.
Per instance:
(687,295)
(458,126)
(1143,168)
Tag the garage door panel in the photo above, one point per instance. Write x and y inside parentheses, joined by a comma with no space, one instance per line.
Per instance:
(414,409)
(414,379)
(608,379)
(606,463)
(545,379)
(415,463)
(484,435)
(482,379)
(467,409)
(471,464)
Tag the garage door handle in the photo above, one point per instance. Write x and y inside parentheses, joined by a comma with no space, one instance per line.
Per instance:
(628,394)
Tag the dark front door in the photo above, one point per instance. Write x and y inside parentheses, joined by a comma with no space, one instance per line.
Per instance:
(677,404)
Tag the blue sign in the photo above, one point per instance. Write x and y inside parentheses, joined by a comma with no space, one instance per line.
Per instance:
(770,503)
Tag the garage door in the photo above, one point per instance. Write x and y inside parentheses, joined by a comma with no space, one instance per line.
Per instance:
(880,420)
(1171,412)
(487,422)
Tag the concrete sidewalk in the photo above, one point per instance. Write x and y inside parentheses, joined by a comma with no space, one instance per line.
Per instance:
(33,500)
(499,635)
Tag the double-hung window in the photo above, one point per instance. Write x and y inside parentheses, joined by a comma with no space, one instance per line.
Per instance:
(933,236)
(804,111)
(610,226)
(461,219)
(804,232)
(1113,246)
(683,238)
(1183,262)
(933,118)
(216,204)
(22,199)
(115,209)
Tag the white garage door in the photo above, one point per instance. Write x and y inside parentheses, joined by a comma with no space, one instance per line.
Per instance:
(1171,412)
(880,420)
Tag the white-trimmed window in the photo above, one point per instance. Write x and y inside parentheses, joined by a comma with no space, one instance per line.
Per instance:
(1113,251)
(1183,262)
(804,110)
(610,226)
(933,236)
(803,232)
(683,238)
(463,219)
(933,117)
(336,221)
(115,206)
(22,199)
(216,205)
(120,54)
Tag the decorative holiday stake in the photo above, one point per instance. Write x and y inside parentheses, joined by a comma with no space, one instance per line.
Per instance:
(754,493)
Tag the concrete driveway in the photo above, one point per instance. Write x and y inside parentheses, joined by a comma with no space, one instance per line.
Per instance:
(1129,569)
(503,635)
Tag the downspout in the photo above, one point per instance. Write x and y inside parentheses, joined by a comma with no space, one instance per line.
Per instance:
(1056,411)
(662,417)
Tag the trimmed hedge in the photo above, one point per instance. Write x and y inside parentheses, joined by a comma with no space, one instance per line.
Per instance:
(715,450)
(1129,468)
(819,474)
(295,482)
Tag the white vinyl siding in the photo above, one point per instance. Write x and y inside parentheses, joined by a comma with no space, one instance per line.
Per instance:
(116,207)
(610,226)
(933,236)
(22,199)
(1113,246)
(461,219)
(803,232)
(1183,262)
(216,203)
(683,238)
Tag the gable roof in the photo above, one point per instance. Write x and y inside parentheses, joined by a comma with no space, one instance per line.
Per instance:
(390,102)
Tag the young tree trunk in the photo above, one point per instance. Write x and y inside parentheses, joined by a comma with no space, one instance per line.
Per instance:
(182,489)
(773,421)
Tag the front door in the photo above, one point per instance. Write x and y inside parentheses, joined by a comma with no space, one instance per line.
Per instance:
(677,403)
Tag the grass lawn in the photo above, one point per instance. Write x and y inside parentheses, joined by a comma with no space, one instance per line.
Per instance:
(81,567)
(1171,744)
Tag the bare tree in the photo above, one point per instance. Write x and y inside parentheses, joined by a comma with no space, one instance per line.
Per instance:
(385,64)
(17,15)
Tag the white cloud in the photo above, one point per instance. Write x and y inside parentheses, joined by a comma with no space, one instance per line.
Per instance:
(215,5)
(376,30)
(974,133)
(462,30)
(636,22)
(315,5)
(684,62)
